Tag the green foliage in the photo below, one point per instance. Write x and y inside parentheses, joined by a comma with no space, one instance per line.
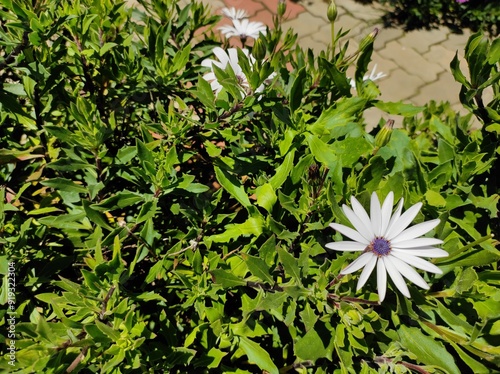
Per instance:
(158,227)
(457,15)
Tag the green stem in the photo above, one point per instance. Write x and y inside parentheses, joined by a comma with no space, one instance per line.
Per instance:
(333,39)
(464,248)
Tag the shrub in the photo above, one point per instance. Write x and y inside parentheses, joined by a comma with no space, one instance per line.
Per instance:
(149,224)
(456,14)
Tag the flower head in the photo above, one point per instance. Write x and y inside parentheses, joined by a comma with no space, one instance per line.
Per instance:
(243,29)
(372,76)
(234,13)
(225,59)
(386,242)
(230,58)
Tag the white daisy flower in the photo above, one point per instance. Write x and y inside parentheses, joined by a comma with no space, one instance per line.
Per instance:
(386,242)
(234,13)
(372,76)
(231,58)
(243,29)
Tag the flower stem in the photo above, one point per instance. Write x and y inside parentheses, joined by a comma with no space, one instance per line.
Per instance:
(464,248)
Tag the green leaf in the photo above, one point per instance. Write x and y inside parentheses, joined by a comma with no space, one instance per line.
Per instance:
(407,110)
(426,349)
(290,264)
(297,90)
(258,268)
(335,121)
(62,184)
(266,197)
(252,226)
(226,279)
(315,344)
(108,331)
(282,171)
(231,185)
(94,216)
(256,354)
(321,151)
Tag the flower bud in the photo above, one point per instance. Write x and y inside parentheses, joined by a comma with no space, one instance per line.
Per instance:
(259,49)
(281,8)
(384,135)
(368,39)
(331,13)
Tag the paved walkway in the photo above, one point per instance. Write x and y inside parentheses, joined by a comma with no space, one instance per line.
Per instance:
(416,63)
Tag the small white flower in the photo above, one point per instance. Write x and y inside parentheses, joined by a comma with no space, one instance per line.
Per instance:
(230,58)
(243,29)
(385,241)
(234,13)
(372,76)
(226,58)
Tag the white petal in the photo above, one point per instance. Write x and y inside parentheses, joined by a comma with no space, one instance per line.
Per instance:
(417,262)
(409,273)
(415,243)
(403,222)
(430,252)
(207,62)
(376,215)
(362,215)
(381,280)
(357,223)
(221,55)
(396,276)
(346,246)
(415,231)
(358,263)
(350,233)
(386,212)
(365,274)
(394,217)
(209,77)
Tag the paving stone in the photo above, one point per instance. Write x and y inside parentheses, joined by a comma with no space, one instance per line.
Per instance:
(445,88)
(422,40)
(441,56)
(309,42)
(360,11)
(347,22)
(305,24)
(399,86)
(318,9)
(386,35)
(456,42)
(293,9)
(411,61)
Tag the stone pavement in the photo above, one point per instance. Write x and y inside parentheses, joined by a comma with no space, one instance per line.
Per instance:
(417,63)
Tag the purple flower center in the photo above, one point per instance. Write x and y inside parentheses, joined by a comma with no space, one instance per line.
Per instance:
(380,246)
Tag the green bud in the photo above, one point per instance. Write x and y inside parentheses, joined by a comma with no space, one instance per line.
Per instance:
(281,8)
(384,135)
(331,13)
(368,39)
(259,49)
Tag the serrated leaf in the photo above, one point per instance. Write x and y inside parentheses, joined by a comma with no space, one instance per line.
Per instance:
(256,354)
(258,268)
(290,265)
(226,279)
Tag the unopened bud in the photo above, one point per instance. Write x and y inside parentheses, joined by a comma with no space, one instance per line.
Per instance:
(384,135)
(259,49)
(368,39)
(331,13)
(281,8)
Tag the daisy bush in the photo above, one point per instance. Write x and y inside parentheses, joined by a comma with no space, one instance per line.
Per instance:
(173,202)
